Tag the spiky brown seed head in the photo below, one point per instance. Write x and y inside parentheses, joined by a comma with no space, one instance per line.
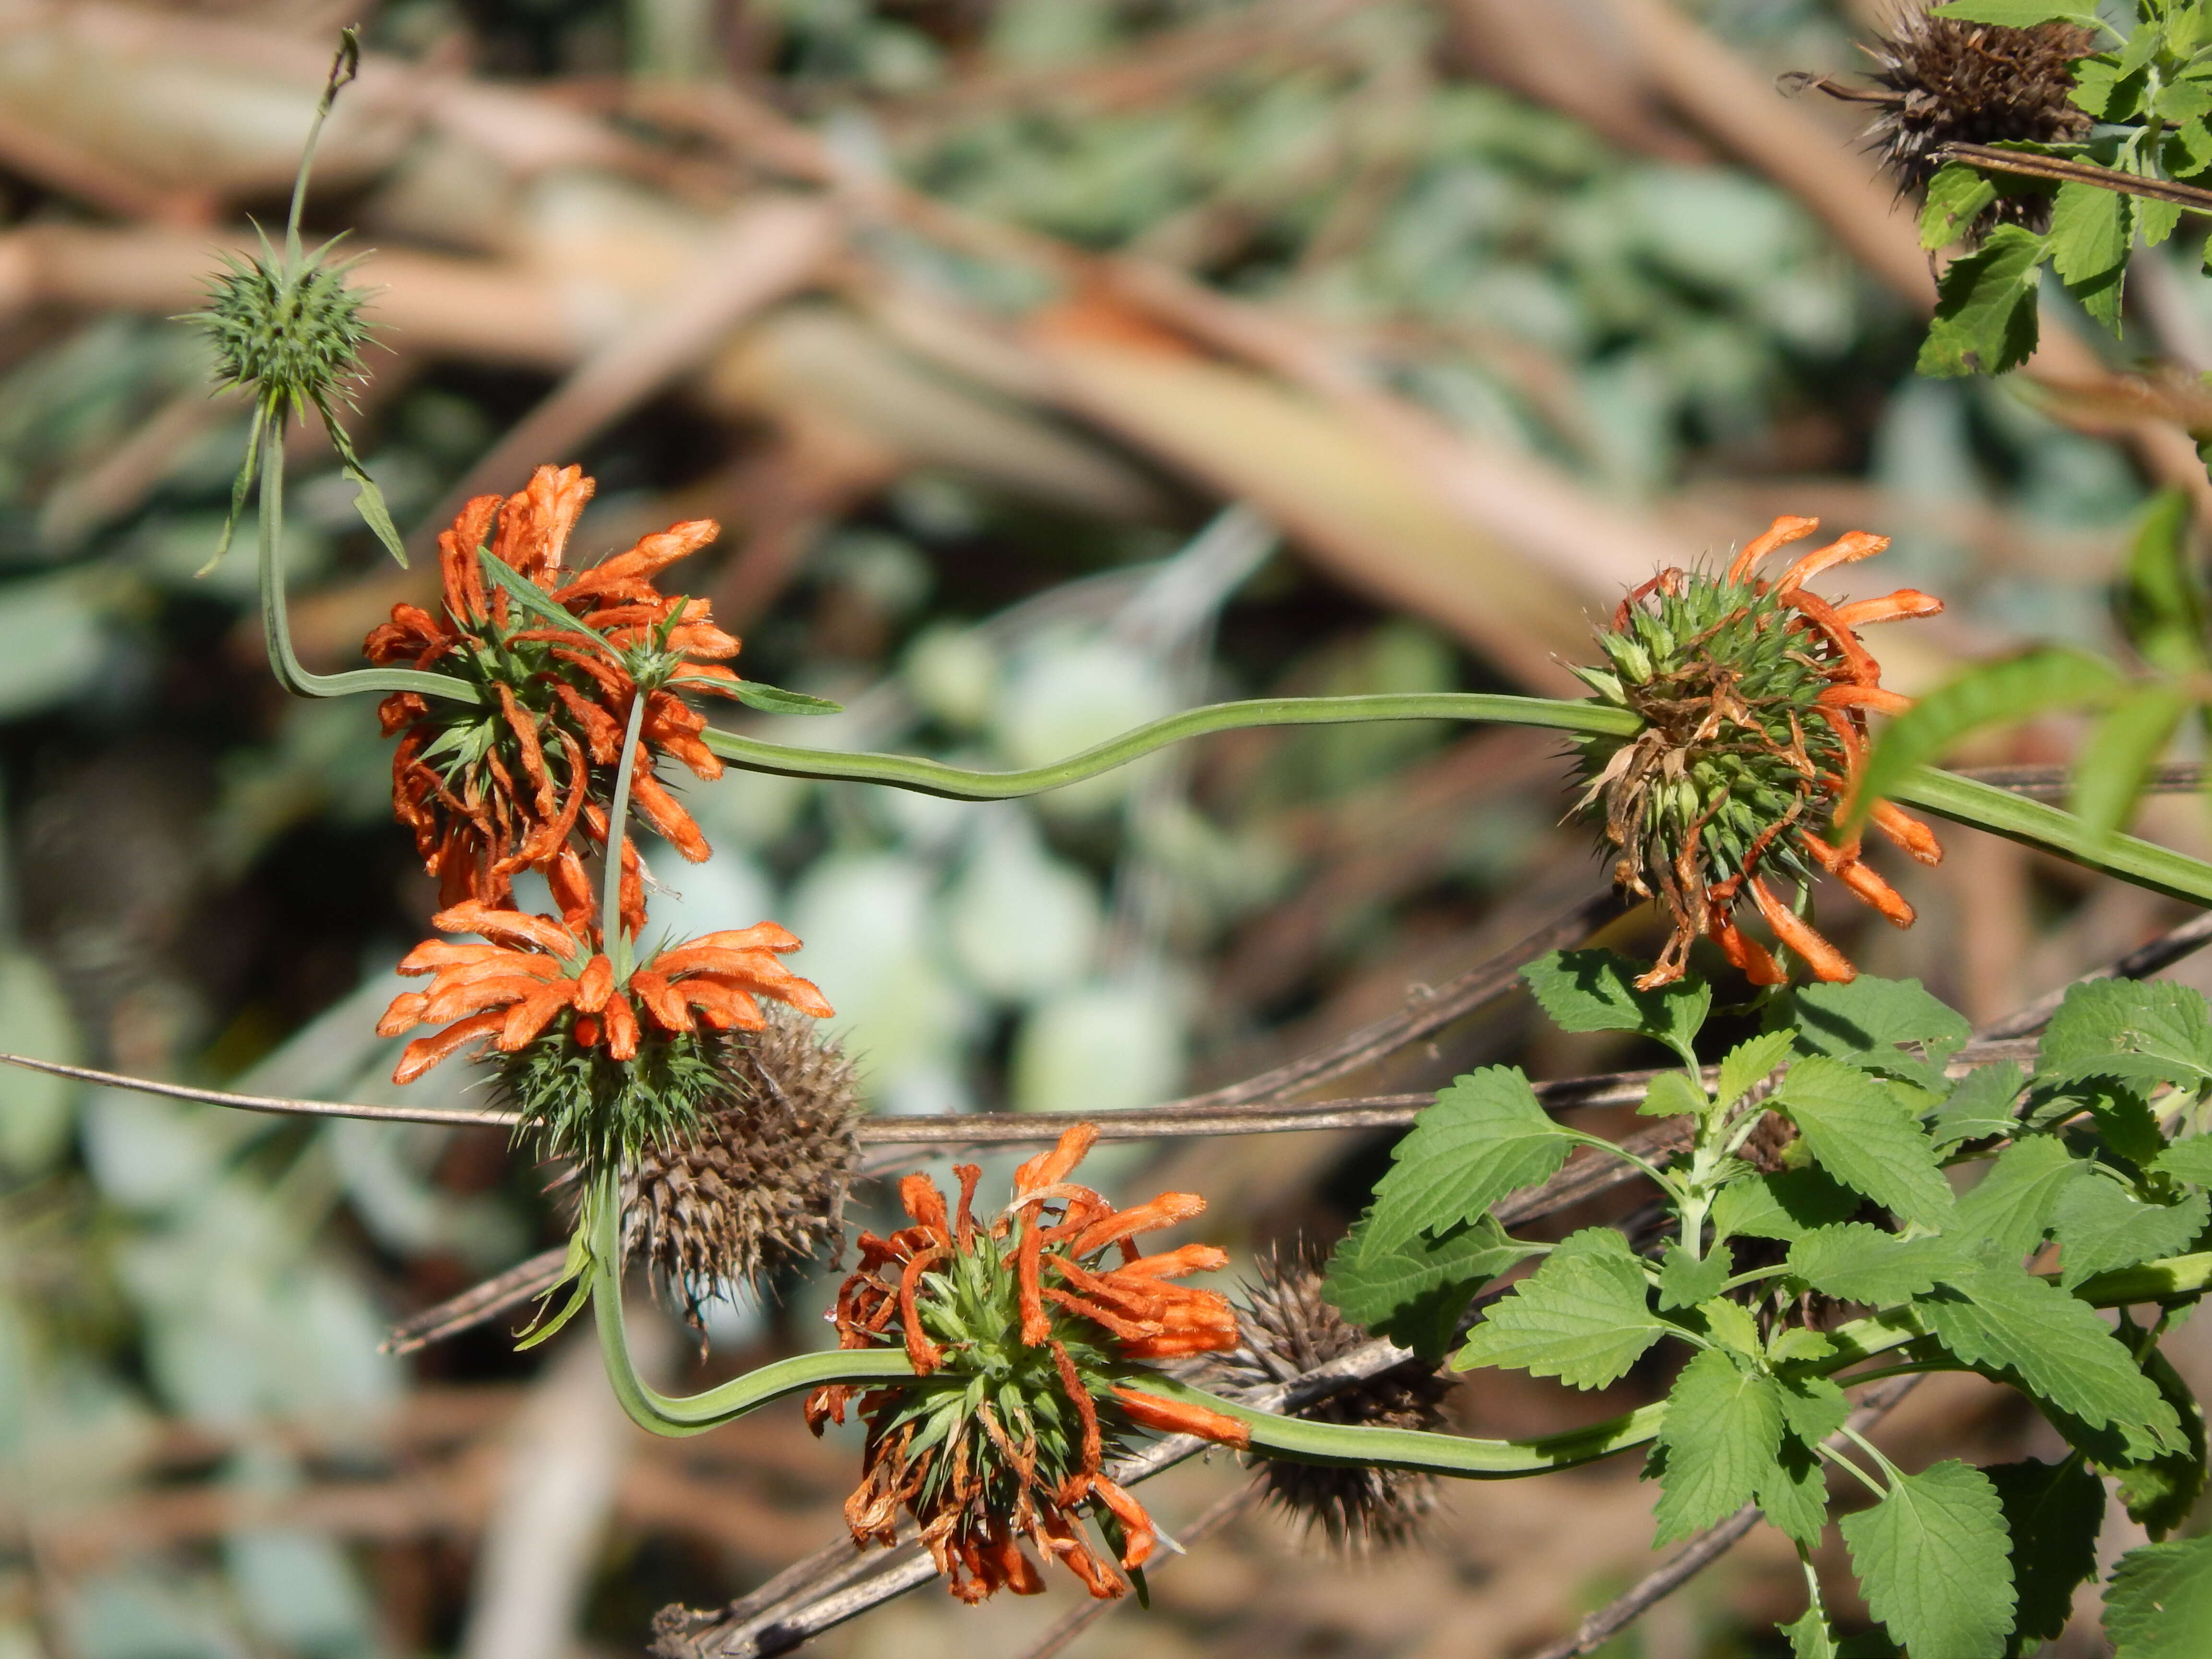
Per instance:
(1943,82)
(1287,1329)
(761,1185)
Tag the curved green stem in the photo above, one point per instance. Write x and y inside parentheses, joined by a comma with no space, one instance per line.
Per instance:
(931,777)
(276,615)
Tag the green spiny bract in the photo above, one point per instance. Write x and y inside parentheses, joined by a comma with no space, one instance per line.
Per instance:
(1735,751)
(294,335)
(581,1103)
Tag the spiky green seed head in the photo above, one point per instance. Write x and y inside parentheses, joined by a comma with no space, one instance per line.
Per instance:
(294,335)
(581,1104)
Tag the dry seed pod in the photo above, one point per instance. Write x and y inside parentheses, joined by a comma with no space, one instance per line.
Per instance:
(762,1183)
(1286,1329)
(1939,81)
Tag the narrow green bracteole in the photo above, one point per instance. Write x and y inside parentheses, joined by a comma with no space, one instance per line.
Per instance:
(931,777)
(2038,823)
(276,613)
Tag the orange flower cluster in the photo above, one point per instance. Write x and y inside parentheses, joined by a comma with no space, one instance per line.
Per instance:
(534,971)
(507,786)
(1021,1326)
(1856,689)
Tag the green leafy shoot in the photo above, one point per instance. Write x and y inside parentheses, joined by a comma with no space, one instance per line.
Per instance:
(1415,1292)
(1934,1559)
(1595,991)
(1584,1317)
(1485,1136)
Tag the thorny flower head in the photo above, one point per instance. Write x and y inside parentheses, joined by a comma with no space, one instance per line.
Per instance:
(287,329)
(1754,697)
(559,657)
(1019,1335)
(600,1065)
(1943,81)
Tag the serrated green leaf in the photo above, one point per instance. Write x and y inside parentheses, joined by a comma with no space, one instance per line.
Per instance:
(1814,1407)
(2102,1225)
(2001,1317)
(1684,1283)
(2009,1210)
(1595,991)
(1584,1317)
(2053,1512)
(1999,693)
(1810,1636)
(1784,1206)
(1865,1020)
(2089,230)
(1859,1263)
(2116,762)
(1866,1137)
(1957,196)
(2105,91)
(2161,600)
(1750,1063)
(2137,1031)
(1793,1494)
(1980,1108)
(2158,1602)
(1485,1136)
(1673,1095)
(775,700)
(2161,1492)
(1731,1324)
(2189,1160)
(1796,1344)
(1722,1428)
(2155,221)
(1932,1559)
(1415,1294)
(1985,320)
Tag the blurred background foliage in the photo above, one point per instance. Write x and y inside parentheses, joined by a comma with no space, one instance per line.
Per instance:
(970,319)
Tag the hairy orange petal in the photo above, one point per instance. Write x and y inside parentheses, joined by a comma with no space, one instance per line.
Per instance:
(1180,1417)
(1828,963)
(622,1028)
(1879,698)
(420,1056)
(1036,1325)
(534,1013)
(1847,549)
(1049,1169)
(457,559)
(1165,1211)
(1782,531)
(920,1197)
(665,814)
(510,927)
(1071,1382)
(1843,864)
(924,1355)
(1138,1534)
(407,1009)
(1905,603)
(595,984)
(659,999)
(722,1006)
(1173,1264)
(476,995)
(1908,832)
(761,936)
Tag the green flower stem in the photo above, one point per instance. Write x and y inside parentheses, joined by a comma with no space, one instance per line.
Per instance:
(931,777)
(275,614)
(2035,823)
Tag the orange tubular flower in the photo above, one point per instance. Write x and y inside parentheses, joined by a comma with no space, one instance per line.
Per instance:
(1021,1334)
(1754,697)
(510,784)
(598,1064)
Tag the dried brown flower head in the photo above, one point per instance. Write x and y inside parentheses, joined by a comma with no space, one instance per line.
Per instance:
(761,1183)
(1939,81)
(1287,1329)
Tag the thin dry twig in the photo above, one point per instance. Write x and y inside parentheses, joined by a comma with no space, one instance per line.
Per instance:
(1708,1546)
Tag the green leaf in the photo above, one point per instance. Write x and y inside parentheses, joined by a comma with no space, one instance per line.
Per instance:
(1684,1282)
(1859,1263)
(1869,1018)
(2008,1212)
(368,501)
(1731,1324)
(1814,1407)
(2189,1160)
(1981,1107)
(1749,1063)
(1866,1137)
(1784,1206)
(1957,196)
(530,597)
(2089,233)
(2137,1031)
(1990,693)
(1415,1292)
(2106,91)
(1932,1559)
(2052,1513)
(2158,1604)
(2161,599)
(1794,1343)
(2116,762)
(1810,1636)
(2155,221)
(1984,319)
(773,699)
(1673,1095)
(2102,1225)
(1722,1428)
(1583,1316)
(2015,14)
(2001,1317)
(1794,1493)
(2161,1491)
(1595,991)
(1485,1137)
